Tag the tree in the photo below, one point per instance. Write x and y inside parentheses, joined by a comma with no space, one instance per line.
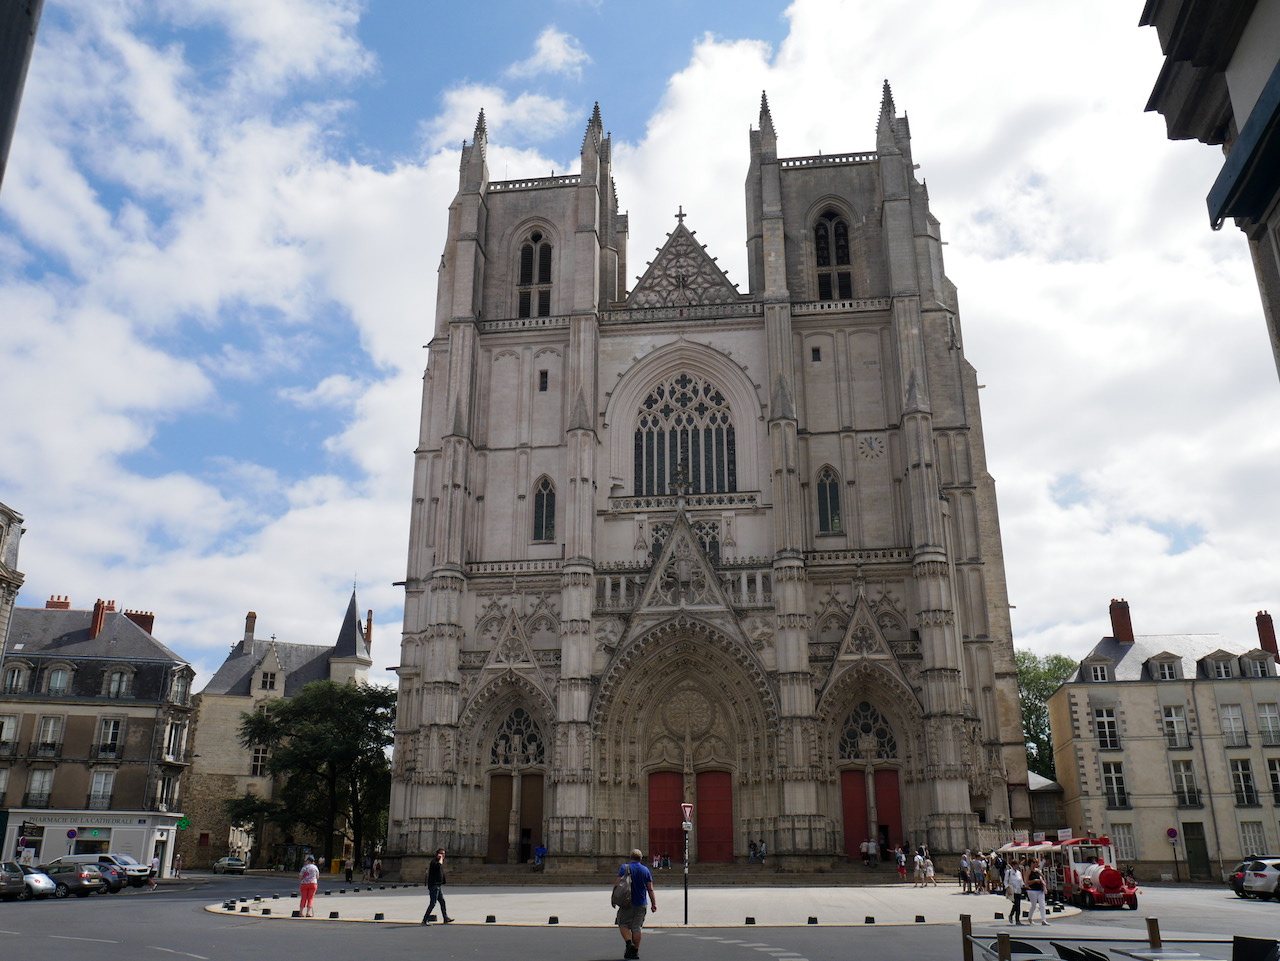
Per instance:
(1039,677)
(327,753)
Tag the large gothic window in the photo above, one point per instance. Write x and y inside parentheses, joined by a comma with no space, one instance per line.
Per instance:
(867,731)
(829,502)
(544,511)
(831,256)
(684,431)
(533,290)
(518,742)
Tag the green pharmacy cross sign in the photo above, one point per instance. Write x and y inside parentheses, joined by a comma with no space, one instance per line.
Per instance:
(184,822)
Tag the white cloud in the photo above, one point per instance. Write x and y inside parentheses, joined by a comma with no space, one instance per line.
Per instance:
(529,117)
(554,52)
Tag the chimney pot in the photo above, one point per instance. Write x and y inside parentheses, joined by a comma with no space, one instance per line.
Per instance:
(1267,635)
(144,619)
(368,630)
(58,602)
(1121,624)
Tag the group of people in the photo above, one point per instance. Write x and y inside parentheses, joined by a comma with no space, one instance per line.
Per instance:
(755,852)
(662,861)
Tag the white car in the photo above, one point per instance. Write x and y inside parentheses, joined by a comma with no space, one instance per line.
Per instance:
(39,884)
(1261,877)
(228,866)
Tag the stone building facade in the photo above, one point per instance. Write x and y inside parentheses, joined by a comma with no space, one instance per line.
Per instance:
(256,671)
(1173,732)
(682,543)
(94,722)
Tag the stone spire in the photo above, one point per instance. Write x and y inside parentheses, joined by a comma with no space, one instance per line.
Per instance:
(768,136)
(885,126)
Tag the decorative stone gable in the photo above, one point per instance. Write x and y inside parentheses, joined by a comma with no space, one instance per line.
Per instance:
(683,274)
(682,576)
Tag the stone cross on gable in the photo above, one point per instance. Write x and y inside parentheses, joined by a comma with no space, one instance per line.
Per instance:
(680,214)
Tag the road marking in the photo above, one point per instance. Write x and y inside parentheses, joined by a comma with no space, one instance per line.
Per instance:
(66,937)
(185,954)
(10,932)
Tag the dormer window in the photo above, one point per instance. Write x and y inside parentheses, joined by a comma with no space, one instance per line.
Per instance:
(831,257)
(268,681)
(533,289)
(1254,667)
(1220,669)
(1164,670)
(118,683)
(1099,672)
(59,681)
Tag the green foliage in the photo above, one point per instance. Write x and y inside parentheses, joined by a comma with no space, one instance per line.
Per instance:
(327,753)
(1039,677)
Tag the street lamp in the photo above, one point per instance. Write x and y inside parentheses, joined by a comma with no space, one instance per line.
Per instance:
(686,811)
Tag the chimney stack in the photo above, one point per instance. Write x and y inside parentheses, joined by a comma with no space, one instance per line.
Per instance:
(144,619)
(58,602)
(99,617)
(368,630)
(1267,635)
(1121,625)
(111,607)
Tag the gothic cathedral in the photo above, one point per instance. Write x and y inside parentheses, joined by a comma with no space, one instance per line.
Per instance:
(684,543)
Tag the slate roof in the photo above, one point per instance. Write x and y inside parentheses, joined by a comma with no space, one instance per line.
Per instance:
(42,632)
(1129,661)
(300,663)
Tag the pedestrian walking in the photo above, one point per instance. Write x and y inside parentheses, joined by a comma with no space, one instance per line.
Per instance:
(1013,889)
(630,917)
(900,856)
(918,875)
(929,877)
(966,878)
(1035,894)
(177,865)
(366,866)
(155,871)
(377,869)
(435,885)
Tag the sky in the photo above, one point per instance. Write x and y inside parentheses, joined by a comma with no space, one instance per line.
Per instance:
(221,220)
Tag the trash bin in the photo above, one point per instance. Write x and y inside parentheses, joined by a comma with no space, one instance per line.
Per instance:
(335,866)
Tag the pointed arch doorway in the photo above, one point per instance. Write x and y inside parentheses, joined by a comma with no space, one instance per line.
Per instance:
(870,788)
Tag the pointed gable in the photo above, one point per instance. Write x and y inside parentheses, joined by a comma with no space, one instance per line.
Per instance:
(683,576)
(683,274)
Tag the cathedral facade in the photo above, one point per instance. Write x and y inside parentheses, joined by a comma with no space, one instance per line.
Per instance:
(683,543)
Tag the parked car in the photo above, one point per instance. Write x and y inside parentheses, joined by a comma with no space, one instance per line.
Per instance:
(1261,877)
(11,883)
(113,878)
(39,884)
(228,866)
(1235,877)
(81,880)
(137,872)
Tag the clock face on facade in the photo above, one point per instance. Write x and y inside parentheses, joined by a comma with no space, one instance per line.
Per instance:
(871,447)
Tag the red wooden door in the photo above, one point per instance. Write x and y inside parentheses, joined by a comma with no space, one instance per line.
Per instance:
(889,805)
(666,791)
(853,803)
(714,816)
(499,816)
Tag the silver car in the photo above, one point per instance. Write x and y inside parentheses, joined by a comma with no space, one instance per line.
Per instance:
(39,884)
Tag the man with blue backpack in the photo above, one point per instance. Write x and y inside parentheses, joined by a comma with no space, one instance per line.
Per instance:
(632,896)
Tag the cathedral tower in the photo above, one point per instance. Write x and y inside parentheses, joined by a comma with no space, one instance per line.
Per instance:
(685,543)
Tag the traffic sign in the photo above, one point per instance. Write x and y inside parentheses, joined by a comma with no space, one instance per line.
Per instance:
(1172,833)
(687,809)
(71,833)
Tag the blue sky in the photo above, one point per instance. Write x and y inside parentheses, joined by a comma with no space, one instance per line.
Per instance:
(221,221)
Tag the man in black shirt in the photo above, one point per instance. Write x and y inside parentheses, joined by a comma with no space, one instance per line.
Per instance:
(435,882)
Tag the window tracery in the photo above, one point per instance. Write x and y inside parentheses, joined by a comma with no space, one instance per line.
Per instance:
(829,502)
(518,742)
(544,511)
(867,733)
(831,253)
(684,424)
(533,287)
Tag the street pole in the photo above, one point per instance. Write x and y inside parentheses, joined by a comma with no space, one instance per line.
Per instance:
(686,810)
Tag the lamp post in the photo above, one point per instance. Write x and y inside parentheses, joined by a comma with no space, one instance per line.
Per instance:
(686,811)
